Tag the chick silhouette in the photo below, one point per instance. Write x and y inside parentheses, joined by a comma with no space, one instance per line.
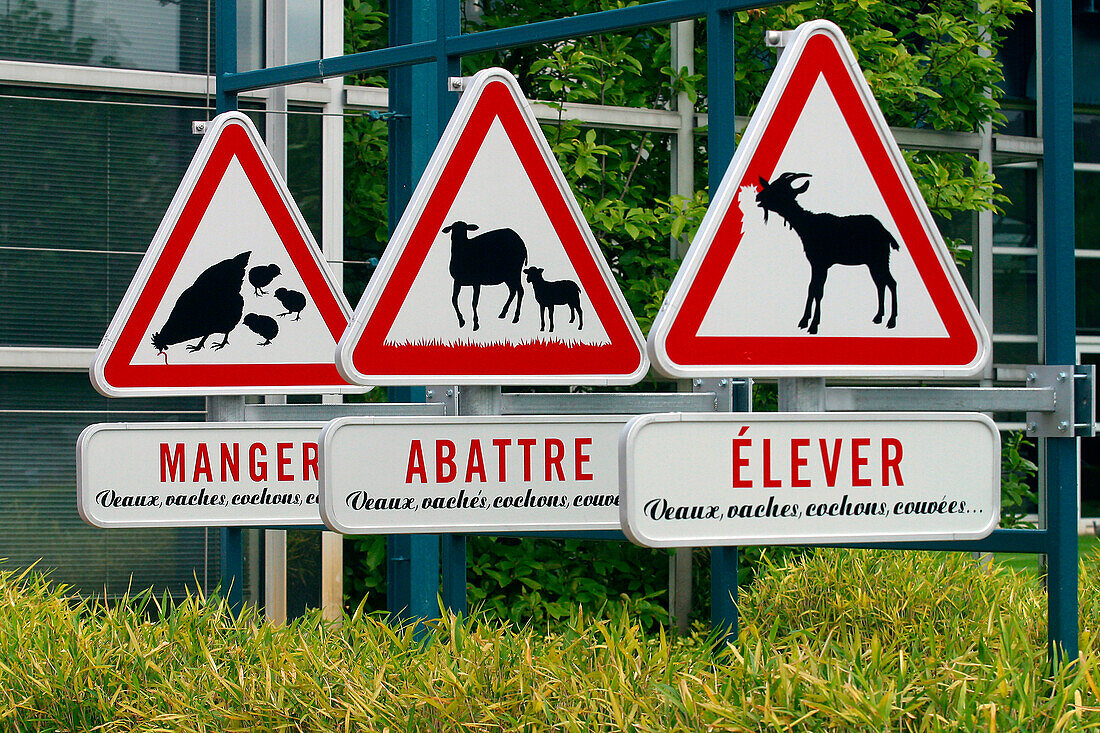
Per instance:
(261,276)
(213,304)
(265,327)
(293,301)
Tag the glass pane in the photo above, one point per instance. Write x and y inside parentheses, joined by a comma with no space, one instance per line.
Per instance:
(1017,225)
(155,35)
(1017,55)
(1088,296)
(1086,138)
(89,181)
(1015,294)
(138,34)
(41,416)
(1087,213)
(303,42)
(1086,53)
(1020,121)
(303,162)
(60,298)
(1090,463)
(1015,353)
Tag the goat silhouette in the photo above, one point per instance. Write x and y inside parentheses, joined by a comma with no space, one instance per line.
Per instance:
(491,258)
(827,240)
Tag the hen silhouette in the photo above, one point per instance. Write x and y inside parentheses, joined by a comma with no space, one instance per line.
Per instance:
(213,304)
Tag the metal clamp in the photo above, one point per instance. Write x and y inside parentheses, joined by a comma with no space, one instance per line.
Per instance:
(1084,400)
(1074,397)
(375,115)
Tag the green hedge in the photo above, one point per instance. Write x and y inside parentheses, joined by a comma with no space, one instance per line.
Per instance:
(833,640)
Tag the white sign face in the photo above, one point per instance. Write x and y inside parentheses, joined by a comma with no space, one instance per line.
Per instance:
(801,478)
(817,255)
(493,274)
(198,474)
(390,475)
(233,295)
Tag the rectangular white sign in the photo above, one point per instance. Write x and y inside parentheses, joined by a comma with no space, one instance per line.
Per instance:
(799,478)
(198,474)
(384,475)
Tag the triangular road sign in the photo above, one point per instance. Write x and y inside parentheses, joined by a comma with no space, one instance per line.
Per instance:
(492,276)
(818,256)
(233,295)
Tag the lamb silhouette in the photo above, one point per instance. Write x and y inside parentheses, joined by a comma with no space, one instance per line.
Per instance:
(555,292)
(212,304)
(491,258)
(827,240)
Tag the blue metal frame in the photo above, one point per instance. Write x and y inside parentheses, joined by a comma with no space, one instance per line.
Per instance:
(425,35)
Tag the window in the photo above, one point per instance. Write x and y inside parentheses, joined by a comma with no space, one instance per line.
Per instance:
(41,416)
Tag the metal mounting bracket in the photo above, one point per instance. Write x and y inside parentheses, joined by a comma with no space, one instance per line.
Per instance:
(457,83)
(446,395)
(1074,392)
(721,388)
(777,39)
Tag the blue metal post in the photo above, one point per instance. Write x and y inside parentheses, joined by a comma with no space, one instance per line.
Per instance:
(225,47)
(1060,317)
(720,145)
(418,95)
(449,24)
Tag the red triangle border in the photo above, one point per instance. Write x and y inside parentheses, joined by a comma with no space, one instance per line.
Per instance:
(233,142)
(683,345)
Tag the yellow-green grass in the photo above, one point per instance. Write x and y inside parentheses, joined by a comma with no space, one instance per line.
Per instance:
(837,640)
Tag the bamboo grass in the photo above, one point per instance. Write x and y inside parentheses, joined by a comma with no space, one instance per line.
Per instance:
(836,640)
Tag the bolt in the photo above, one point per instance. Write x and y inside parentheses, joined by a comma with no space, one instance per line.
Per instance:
(723,382)
(1061,376)
(1063,426)
(430,393)
(697,382)
(772,38)
(1032,427)
(1031,376)
(450,393)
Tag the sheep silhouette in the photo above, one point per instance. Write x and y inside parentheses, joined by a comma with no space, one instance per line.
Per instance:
(492,258)
(555,292)
(827,240)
